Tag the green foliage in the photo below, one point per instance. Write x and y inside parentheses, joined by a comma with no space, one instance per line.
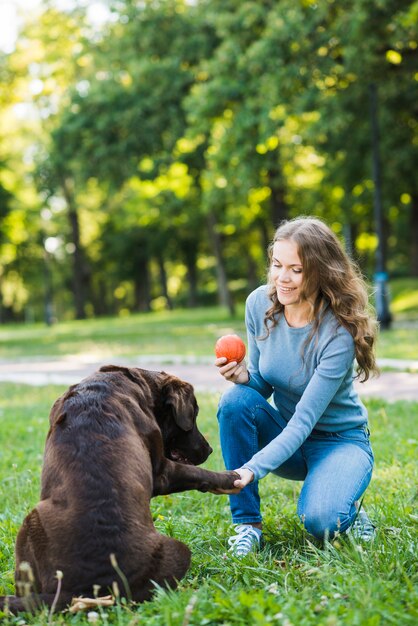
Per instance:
(291,581)
(260,110)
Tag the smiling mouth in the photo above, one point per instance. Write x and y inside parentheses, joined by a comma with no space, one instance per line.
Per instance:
(287,289)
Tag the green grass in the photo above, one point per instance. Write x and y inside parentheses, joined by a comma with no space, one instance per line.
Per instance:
(184,333)
(404,297)
(191,332)
(399,343)
(292,582)
(181,334)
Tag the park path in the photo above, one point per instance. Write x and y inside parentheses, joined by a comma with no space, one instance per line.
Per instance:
(203,375)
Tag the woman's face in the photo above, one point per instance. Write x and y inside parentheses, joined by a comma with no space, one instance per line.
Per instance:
(287,272)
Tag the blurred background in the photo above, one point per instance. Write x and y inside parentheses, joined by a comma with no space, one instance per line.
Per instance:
(149,149)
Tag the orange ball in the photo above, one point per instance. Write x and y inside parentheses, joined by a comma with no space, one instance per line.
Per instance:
(230,346)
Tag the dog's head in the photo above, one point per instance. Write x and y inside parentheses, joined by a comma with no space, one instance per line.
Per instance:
(175,410)
(183,442)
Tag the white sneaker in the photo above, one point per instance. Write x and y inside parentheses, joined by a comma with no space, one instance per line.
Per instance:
(362,528)
(245,541)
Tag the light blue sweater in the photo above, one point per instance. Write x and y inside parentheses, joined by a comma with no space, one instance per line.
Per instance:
(315,393)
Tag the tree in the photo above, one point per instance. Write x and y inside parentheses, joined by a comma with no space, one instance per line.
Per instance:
(133,111)
(178,135)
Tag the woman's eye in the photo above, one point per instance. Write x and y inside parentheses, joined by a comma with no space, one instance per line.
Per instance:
(295,271)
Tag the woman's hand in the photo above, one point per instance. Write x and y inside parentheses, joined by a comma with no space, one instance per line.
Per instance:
(246,477)
(233,371)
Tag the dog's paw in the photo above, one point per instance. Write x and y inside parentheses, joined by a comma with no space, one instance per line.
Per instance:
(225,484)
(230,478)
(227,479)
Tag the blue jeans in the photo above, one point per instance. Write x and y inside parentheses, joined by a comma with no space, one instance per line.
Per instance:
(336,467)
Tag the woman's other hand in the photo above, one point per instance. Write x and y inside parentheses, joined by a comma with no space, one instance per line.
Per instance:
(233,371)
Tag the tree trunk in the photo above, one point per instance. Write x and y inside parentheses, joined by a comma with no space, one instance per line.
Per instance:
(190,258)
(413,224)
(350,234)
(101,300)
(81,274)
(193,299)
(164,283)
(266,237)
(49,303)
(143,287)
(225,297)
(253,278)
(279,208)
(386,234)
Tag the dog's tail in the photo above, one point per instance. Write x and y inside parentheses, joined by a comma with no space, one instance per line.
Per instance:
(34,602)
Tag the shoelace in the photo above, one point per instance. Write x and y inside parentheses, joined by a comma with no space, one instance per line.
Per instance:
(362,527)
(244,541)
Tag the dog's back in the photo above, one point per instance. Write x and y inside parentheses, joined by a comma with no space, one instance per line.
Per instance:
(97,483)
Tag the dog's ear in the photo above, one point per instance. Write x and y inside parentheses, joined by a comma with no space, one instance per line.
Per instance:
(180,398)
(130,372)
(58,414)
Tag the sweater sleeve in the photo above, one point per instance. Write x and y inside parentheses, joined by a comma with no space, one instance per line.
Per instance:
(334,363)
(256,381)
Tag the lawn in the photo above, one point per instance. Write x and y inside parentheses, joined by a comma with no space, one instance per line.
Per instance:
(403,294)
(292,582)
(179,334)
(190,332)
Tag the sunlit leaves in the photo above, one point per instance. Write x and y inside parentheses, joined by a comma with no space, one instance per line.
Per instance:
(394,57)
(173,111)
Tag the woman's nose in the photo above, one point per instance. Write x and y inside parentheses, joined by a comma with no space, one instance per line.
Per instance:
(284,274)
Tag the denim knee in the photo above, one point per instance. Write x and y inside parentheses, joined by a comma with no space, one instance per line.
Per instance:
(324,525)
(236,401)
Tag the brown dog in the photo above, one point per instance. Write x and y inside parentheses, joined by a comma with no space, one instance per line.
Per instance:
(118,438)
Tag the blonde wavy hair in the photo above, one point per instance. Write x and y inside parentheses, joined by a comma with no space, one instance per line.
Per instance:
(330,278)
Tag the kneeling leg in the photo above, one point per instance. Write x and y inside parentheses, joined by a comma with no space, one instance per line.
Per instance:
(336,479)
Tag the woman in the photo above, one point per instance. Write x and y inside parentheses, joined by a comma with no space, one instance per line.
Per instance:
(305,328)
